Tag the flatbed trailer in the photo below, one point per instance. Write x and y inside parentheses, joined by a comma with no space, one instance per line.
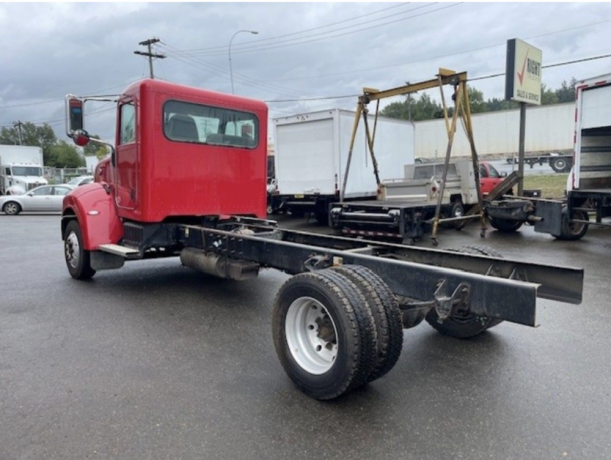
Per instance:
(559,163)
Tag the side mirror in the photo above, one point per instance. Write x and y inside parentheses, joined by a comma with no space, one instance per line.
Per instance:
(504,174)
(74,115)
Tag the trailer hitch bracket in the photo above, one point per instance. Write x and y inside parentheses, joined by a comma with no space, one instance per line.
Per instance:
(447,305)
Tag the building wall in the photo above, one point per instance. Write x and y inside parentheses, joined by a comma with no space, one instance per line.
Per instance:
(549,128)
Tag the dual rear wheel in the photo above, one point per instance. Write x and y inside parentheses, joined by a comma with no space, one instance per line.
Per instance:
(336,330)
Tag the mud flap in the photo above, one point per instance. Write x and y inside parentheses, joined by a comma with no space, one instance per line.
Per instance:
(551,217)
(105,261)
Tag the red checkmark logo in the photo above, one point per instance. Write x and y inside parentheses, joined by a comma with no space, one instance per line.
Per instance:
(521,74)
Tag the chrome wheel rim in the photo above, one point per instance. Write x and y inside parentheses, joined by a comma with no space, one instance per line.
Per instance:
(10,208)
(72,250)
(311,335)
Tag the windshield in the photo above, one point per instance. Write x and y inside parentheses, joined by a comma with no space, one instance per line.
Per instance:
(75,181)
(27,171)
(493,171)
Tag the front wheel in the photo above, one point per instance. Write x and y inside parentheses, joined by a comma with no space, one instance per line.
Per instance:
(78,260)
(11,208)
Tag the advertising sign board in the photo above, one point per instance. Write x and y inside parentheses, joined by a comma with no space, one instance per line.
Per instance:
(523,72)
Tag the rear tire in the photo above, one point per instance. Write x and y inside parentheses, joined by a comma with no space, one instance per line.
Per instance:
(464,325)
(560,165)
(324,334)
(505,225)
(11,208)
(386,315)
(78,260)
(572,231)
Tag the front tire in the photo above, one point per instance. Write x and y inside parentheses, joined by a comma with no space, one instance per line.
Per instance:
(78,260)
(324,334)
(11,208)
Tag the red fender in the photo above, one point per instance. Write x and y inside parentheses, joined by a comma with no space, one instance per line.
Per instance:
(94,208)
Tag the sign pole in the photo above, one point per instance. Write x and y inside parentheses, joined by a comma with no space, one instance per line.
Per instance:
(521,148)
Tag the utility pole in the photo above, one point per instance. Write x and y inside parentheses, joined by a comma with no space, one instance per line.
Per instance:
(18,125)
(150,53)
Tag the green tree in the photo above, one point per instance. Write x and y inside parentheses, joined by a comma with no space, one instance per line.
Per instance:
(65,155)
(476,100)
(548,96)
(421,108)
(566,92)
(40,136)
(495,104)
(95,149)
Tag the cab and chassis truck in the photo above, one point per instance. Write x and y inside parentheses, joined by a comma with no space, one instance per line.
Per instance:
(181,183)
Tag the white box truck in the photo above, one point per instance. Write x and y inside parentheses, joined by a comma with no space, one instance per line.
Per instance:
(311,155)
(588,184)
(21,169)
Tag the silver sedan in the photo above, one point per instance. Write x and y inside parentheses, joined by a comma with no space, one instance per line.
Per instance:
(46,198)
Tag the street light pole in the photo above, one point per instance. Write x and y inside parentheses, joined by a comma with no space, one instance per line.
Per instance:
(254,32)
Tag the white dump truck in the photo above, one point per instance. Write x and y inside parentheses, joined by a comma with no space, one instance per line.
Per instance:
(21,169)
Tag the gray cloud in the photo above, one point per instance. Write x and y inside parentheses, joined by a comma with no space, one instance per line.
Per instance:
(87,48)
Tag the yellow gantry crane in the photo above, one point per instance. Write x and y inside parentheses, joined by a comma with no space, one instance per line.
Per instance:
(462,109)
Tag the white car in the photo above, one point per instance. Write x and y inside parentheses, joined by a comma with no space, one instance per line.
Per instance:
(81,180)
(46,198)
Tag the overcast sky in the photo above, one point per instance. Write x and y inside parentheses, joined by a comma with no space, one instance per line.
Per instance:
(302,51)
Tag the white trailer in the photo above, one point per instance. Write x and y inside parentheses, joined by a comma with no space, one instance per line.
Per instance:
(311,155)
(549,129)
(21,169)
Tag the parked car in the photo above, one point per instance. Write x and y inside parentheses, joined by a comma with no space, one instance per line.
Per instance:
(81,180)
(489,177)
(46,198)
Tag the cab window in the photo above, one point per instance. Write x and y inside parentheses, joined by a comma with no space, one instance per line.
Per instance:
(128,124)
(202,124)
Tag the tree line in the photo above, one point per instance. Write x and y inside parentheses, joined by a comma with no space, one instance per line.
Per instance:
(423,107)
(56,152)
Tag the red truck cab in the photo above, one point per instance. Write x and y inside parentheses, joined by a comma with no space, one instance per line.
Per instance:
(180,154)
(489,177)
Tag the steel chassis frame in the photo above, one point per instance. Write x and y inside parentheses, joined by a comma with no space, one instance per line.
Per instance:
(494,287)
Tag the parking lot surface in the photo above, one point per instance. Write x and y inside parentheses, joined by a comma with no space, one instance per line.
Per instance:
(155,361)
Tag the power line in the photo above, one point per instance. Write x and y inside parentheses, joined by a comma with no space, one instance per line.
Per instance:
(455,53)
(253,46)
(470,79)
(272,46)
(215,48)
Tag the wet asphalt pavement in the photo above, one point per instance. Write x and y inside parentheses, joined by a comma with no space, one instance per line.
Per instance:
(155,361)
